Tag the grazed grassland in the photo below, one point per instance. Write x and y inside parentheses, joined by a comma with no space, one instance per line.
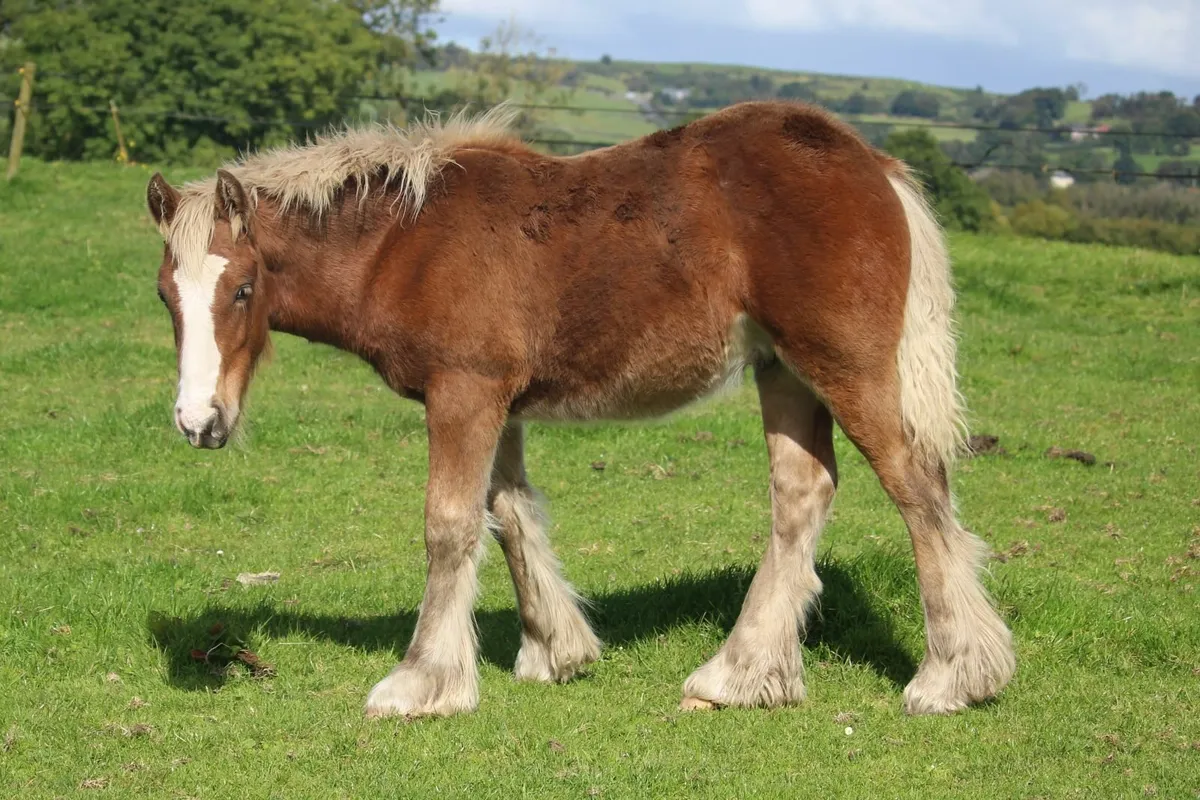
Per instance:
(121,546)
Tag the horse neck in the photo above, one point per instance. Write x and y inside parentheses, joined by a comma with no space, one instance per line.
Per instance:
(317,269)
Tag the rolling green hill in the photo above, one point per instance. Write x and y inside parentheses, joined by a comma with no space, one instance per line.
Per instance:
(590,103)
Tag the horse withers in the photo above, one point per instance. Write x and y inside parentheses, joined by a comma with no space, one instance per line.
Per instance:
(498,285)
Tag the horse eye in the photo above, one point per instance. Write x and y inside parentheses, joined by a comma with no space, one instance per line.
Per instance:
(244,291)
(162,296)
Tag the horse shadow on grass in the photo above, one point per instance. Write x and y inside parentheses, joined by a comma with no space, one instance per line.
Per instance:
(846,623)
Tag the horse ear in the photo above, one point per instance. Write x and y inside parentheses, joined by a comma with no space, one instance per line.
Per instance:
(232,203)
(163,201)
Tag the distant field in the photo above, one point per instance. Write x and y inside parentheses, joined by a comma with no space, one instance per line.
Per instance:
(840,86)
(617,120)
(121,546)
(1078,111)
(942,134)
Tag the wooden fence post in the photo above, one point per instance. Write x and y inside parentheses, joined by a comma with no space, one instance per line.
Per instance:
(122,153)
(24,101)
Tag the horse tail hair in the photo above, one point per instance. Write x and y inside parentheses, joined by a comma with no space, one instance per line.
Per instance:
(931,406)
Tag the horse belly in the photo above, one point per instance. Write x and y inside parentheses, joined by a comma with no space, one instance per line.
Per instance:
(657,381)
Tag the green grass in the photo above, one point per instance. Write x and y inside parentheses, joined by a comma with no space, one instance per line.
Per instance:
(120,545)
(598,118)
(1078,111)
(832,86)
(942,134)
(595,112)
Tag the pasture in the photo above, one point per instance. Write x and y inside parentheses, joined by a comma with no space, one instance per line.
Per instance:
(122,546)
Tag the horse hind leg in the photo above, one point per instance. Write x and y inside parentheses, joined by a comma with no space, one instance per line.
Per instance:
(887,372)
(760,663)
(556,640)
(969,651)
(892,388)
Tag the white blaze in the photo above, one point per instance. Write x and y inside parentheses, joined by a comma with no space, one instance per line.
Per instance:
(199,356)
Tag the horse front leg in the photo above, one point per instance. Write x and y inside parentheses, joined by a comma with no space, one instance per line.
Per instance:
(439,675)
(556,640)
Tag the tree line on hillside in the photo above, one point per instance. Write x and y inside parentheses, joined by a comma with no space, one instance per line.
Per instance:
(1039,129)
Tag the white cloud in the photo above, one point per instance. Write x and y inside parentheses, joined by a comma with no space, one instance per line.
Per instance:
(963,19)
(1161,35)
(1152,34)
(541,15)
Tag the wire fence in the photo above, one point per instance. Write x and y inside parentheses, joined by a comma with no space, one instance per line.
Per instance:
(669,112)
(649,112)
(857,119)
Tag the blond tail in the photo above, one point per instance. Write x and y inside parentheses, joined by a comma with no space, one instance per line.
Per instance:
(930,403)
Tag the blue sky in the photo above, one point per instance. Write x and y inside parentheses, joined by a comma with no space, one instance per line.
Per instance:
(1003,45)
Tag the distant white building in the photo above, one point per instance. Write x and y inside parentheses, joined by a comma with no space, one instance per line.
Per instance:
(1062,180)
(1081,132)
(675,95)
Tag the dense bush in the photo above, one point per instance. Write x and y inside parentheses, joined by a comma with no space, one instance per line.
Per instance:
(911,103)
(1039,218)
(1012,187)
(1054,221)
(959,202)
(1161,202)
(1172,170)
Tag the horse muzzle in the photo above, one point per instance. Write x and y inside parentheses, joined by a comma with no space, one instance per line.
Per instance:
(204,431)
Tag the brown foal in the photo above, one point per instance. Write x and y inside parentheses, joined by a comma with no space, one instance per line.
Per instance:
(498,285)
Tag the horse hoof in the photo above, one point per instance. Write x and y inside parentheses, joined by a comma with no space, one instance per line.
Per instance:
(411,691)
(697,704)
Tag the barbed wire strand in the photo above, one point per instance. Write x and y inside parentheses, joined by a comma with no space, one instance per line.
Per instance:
(857,119)
(852,118)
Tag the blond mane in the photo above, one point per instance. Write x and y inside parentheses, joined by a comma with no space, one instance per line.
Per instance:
(310,175)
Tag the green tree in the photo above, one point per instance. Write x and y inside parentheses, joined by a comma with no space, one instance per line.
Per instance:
(797,90)
(856,103)
(1125,167)
(911,103)
(194,81)
(403,27)
(761,86)
(1184,173)
(1085,161)
(1033,107)
(959,201)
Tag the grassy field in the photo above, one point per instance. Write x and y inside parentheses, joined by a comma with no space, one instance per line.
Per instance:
(122,545)
(942,134)
(594,112)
